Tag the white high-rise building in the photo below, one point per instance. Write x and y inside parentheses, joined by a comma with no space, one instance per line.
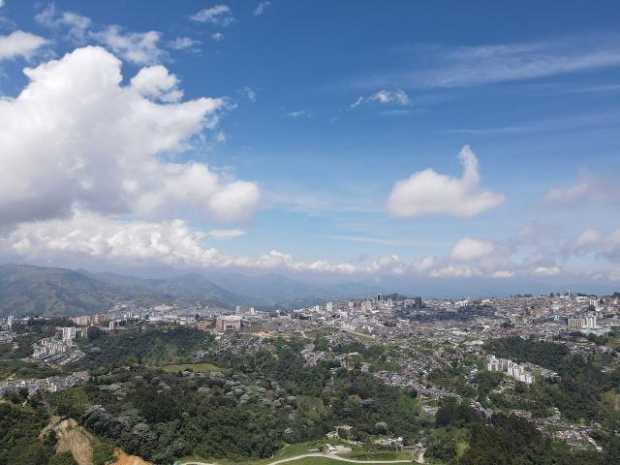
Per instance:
(512,369)
(69,333)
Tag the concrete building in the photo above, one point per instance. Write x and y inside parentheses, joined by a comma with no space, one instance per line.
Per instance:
(512,369)
(49,346)
(228,323)
(90,320)
(69,333)
(52,384)
(587,322)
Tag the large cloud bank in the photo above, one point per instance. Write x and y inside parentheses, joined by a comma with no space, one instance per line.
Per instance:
(77,138)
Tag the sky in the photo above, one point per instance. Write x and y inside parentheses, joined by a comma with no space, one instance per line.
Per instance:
(461,146)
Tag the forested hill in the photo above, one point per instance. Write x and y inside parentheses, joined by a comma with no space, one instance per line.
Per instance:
(57,291)
(26,290)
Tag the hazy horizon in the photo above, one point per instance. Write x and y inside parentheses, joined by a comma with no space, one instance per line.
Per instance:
(423,147)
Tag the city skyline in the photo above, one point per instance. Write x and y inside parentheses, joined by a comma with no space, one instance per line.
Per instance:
(443,146)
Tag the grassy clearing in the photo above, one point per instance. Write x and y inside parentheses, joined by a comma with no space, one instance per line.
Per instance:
(292,450)
(302,461)
(195,367)
(288,450)
(365,454)
(318,461)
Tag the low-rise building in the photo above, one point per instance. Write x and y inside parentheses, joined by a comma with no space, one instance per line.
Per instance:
(587,322)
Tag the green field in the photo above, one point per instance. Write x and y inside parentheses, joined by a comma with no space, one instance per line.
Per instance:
(293,450)
(288,450)
(320,461)
(364,454)
(301,461)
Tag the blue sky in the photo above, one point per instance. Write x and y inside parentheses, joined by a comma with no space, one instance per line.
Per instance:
(329,114)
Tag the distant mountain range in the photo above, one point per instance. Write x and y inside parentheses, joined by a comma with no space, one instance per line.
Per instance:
(277,290)
(26,289)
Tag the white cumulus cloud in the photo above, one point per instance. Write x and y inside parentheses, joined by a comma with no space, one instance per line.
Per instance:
(76,24)
(90,236)
(472,249)
(428,192)
(20,44)
(75,137)
(593,241)
(141,48)
(157,82)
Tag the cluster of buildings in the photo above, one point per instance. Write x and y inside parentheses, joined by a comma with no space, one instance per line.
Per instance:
(200,317)
(109,321)
(427,337)
(6,330)
(510,368)
(60,349)
(51,384)
(587,322)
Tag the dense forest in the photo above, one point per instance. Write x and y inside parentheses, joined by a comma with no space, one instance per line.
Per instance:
(546,354)
(260,400)
(143,346)
(584,391)
(21,423)
(464,437)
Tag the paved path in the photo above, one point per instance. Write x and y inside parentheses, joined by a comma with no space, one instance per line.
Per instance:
(318,455)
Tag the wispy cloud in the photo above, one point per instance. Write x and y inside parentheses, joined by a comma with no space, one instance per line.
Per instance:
(183,43)
(141,48)
(249,93)
(571,123)
(442,67)
(380,241)
(554,88)
(224,234)
(261,7)
(219,15)
(77,25)
(587,190)
(316,203)
(299,114)
(384,97)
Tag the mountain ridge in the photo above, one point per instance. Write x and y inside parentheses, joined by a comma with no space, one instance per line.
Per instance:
(29,289)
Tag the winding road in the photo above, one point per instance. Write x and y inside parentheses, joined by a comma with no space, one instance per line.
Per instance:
(318,455)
